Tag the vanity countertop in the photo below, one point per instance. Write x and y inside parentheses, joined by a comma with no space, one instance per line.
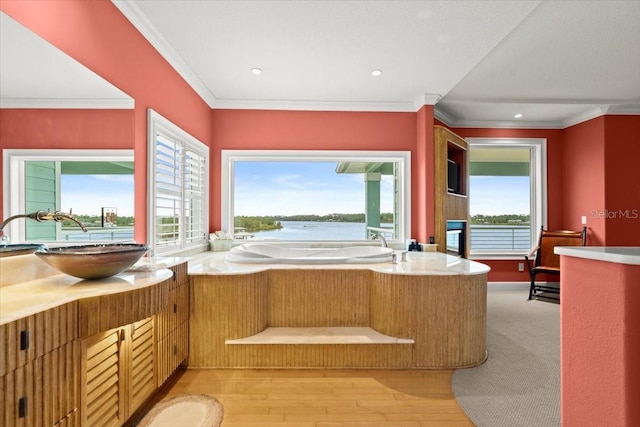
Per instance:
(617,254)
(30,286)
(418,263)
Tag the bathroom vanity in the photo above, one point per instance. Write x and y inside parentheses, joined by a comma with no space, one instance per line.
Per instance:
(427,312)
(87,352)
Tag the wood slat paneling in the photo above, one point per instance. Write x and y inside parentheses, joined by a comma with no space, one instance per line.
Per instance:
(46,331)
(445,315)
(48,385)
(323,298)
(101,313)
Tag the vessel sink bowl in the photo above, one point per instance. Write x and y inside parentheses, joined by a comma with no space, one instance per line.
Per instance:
(93,261)
(19,249)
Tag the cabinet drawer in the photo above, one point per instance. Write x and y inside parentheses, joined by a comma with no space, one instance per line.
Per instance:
(31,337)
(43,392)
(172,351)
(177,311)
(180,276)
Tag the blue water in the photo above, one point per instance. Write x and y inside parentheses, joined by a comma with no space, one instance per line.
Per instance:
(311,230)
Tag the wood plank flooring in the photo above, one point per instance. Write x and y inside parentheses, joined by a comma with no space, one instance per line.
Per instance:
(326,397)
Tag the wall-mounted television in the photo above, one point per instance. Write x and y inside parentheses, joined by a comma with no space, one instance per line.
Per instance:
(453,177)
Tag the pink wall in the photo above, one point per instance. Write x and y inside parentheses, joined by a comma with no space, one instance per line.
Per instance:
(316,130)
(600,343)
(97,35)
(622,174)
(423,187)
(584,178)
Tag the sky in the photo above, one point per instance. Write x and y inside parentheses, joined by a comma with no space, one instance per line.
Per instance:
(88,194)
(290,188)
(498,195)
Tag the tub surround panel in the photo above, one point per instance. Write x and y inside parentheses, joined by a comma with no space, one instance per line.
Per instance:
(442,310)
(225,307)
(393,305)
(304,298)
(452,312)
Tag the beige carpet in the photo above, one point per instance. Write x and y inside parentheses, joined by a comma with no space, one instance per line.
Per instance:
(519,384)
(192,410)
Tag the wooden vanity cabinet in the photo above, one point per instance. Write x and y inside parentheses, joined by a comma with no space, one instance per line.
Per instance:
(117,373)
(39,373)
(172,326)
(93,362)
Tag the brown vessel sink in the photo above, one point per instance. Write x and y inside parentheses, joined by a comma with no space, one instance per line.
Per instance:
(93,261)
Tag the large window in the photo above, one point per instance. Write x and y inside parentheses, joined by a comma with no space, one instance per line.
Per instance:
(178,188)
(507,201)
(315,195)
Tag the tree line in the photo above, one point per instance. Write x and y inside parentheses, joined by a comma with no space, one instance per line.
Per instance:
(262,223)
(506,219)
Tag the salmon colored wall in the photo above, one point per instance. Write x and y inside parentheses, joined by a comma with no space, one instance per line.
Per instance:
(97,35)
(600,343)
(507,270)
(424,185)
(312,130)
(622,173)
(584,178)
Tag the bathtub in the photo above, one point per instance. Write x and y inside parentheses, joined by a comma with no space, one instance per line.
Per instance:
(264,253)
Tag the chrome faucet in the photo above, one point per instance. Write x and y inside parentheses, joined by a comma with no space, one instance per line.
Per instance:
(381,237)
(39,216)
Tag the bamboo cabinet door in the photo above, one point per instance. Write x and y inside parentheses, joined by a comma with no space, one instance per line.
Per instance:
(118,373)
(102,400)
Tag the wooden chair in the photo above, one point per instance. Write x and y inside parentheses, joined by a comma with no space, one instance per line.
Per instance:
(546,261)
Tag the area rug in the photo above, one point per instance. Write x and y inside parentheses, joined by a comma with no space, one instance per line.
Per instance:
(519,384)
(193,410)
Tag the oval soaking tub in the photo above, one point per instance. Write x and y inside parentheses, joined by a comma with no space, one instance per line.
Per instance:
(264,253)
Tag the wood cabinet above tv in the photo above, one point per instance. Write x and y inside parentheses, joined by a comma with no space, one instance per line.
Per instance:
(451,179)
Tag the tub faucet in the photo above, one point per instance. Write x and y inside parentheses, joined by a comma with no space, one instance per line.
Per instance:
(39,216)
(381,237)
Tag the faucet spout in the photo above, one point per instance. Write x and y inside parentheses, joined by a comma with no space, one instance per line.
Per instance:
(381,237)
(40,216)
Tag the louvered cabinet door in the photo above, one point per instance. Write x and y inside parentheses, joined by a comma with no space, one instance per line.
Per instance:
(102,402)
(142,380)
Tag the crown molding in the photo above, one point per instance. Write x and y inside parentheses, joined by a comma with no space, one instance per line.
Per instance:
(139,20)
(426,99)
(314,105)
(96,104)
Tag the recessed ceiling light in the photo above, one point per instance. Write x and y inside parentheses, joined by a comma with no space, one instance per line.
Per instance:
(376,73)
(518,116)
(256,71)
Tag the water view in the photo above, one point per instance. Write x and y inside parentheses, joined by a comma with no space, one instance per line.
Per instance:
(315,230)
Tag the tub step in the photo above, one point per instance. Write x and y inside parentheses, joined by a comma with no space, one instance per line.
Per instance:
(333,335)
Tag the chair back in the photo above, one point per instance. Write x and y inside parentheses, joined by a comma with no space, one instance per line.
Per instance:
(550,239)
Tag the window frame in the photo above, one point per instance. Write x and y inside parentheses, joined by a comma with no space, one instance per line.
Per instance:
(156,124)
(538,188)
(402,158)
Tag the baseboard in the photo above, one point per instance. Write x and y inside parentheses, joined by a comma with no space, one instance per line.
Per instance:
(515,286)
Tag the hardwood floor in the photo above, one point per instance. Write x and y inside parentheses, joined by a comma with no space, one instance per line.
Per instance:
(326,397)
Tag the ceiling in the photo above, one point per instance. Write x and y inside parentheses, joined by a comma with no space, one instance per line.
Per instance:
(480,62)
(35,74)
